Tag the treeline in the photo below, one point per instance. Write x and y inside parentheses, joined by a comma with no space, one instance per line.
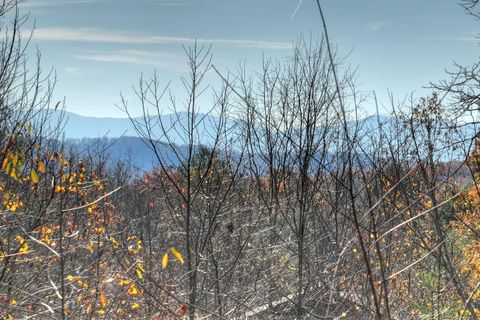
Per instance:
(293,210)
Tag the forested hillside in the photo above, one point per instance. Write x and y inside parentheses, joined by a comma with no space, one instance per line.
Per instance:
(290,205)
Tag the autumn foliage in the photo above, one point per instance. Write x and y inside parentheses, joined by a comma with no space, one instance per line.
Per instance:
(294,209)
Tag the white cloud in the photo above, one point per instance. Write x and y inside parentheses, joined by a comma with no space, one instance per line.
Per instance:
(125,37)
(71,70)
(50,3)
(377,25)
(173,3)
(472,38)
(76,72)
(296,9)
(466,37)
(150,58)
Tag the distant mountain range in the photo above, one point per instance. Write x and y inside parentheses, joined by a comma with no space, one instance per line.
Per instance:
(120,140)
(132,151)
(78,127)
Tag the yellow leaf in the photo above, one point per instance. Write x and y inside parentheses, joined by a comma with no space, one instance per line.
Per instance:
(23,248)
(34,176)
(15,160)
(13,174)
(177,255)
(70,278)
(165,260)
(135,306)
(123,282)
(7,167)
(132,290)
(139,274)
(13,302)
(90,247)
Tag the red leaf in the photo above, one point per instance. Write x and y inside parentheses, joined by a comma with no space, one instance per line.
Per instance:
(183,310)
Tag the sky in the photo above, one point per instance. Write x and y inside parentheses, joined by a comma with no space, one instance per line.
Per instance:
(100,48)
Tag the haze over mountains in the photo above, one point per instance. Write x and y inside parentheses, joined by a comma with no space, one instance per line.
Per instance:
(120,141)
(78,127)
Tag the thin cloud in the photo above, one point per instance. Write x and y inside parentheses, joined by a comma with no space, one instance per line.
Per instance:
(155,59)
(52,3)
(296,9)
(465,37)
(71,70)
(116,37)
(459,39)
(77,72)
(377,25)
(170,3)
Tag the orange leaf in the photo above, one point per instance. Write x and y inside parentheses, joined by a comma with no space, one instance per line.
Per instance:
(5,163)
(41,167)
(103,299)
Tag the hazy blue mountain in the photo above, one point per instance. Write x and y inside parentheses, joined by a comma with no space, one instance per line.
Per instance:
(77,126)
(130,150)
(118,139)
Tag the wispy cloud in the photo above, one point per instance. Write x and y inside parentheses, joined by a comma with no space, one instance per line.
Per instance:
(51,3)
(173,3)
(71,70)
(377,25)
(78,72)
(296,9)
(150,58)
(466,38)
(125,37)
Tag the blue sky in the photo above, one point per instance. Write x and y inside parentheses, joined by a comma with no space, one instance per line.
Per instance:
(101,47)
